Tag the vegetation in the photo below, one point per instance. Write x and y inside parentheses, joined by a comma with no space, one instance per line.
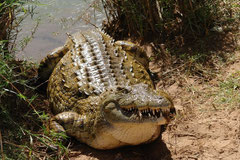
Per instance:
(228,93)
(187,28)
(186,35)
(168,19)
(23,133)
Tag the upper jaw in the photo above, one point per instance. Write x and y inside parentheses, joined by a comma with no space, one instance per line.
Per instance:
(148,114)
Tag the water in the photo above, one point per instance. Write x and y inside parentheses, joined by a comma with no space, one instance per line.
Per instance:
(57,17)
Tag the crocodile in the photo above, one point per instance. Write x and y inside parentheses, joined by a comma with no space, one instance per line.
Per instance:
(101,92)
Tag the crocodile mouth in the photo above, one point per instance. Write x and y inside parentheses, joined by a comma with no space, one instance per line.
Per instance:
(159,113)
(148,112)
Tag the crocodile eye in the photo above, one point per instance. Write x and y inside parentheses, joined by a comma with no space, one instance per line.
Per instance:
(110,106)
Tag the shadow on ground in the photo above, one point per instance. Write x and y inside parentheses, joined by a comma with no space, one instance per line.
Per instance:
(153,151)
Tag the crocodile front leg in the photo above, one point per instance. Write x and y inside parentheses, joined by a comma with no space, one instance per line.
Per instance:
(70,123)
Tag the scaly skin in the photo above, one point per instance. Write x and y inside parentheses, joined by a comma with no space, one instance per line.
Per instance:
(102,94)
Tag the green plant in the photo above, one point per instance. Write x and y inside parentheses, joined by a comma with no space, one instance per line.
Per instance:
(228,95)
(8,21)
(23,134)
(22,122)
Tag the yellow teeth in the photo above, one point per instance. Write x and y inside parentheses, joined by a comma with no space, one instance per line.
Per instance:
(144,108)
(147,112)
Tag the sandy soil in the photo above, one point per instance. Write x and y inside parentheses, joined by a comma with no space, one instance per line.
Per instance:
(204,133)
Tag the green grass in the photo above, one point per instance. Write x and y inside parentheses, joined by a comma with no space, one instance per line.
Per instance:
(23,120)
(228,94)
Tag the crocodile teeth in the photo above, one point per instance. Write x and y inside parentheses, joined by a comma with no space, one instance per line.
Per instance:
(153,112)
(149,114)
(140,115)
(161,114)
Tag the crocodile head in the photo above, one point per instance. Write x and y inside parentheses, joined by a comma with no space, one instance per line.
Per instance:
(134,115)
(137,104)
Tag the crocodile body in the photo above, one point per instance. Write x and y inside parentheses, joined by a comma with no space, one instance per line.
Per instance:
(102,93)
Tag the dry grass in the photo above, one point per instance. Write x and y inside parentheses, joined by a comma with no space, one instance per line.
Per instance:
(162,21)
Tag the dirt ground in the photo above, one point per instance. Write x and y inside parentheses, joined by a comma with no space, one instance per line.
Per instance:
(201,130)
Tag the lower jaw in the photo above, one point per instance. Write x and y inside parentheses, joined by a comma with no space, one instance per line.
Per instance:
(157,122)
(136,134)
